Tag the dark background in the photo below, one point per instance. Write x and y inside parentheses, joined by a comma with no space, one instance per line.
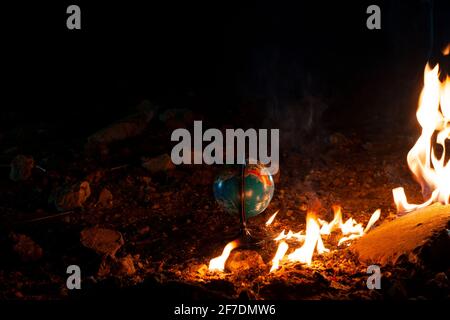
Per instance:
(212,56)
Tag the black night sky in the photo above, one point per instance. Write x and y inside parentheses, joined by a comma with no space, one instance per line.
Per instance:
(213,56)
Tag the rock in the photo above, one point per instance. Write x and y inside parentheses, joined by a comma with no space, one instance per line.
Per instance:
(105,268)
(419,237)
(241,260)
(112,266)
(105,199)
(128,127)
(21,168)
(101,240)
(158,164)
(71,197)
(126,266)
(144,230)
(202,270)
(440,281)
(26,248)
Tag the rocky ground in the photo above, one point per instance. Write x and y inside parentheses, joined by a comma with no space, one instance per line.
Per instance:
(133,222)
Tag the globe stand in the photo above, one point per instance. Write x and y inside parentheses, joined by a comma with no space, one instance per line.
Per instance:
(245,238)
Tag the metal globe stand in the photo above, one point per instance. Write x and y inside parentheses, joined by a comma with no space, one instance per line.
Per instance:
(245,237)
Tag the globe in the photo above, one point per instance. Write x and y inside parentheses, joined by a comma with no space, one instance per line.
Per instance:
(259,189)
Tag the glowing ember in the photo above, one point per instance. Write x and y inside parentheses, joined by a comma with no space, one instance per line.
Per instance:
(218,263)
(269,222)
(432,172)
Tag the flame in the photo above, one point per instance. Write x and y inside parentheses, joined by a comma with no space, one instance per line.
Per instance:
(218,263)
(298,235)
(327,228)
(350,227)
(373,219)
(281,251)
(430,171)
(446,50)
(313,240)
(272,217)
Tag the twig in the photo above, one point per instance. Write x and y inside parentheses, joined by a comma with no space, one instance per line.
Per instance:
(48,217)
(119,167)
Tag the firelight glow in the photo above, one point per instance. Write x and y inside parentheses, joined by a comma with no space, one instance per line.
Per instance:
(313,240)
(218,263)
(430,171)
(310,239)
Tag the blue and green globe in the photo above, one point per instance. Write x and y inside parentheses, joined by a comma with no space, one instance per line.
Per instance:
(259,189)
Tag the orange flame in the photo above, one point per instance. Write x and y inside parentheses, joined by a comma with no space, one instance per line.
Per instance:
(430,171)
(298,235)
(312,241)
(446,50)
(350,227)
(218,263)
(281,251)
(272,217)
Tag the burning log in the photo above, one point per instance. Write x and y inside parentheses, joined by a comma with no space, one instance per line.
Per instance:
(420,236)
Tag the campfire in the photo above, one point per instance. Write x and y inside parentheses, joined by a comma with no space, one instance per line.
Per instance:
(311,239)
(431,171)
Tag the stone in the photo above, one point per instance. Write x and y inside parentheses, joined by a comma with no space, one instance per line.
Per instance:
(126,266)
(440,281)
(241,260)
(158,164)
(104,270)
(103,241)
(112,266)
(105,199)
(128,127)
(419,237)
(26,248)
(72,196)
(21,168)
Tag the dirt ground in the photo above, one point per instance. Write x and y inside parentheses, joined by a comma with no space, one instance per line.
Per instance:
(171,225)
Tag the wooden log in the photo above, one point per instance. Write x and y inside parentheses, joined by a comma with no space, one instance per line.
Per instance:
(421,236)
